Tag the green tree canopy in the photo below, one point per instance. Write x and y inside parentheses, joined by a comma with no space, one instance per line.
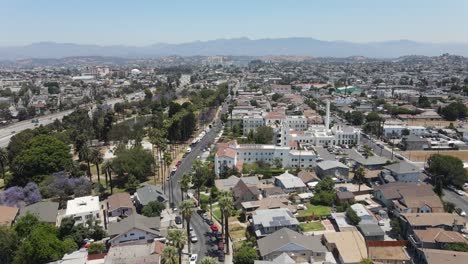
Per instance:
(449,168)
(247,254)
(43,155)
(453,111)
(352,217)
(134,161)
(152,209)
(8,244)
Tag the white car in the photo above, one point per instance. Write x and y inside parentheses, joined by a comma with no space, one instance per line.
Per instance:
(460,192)
(174,169)
(189,149)
(194,239)
(193,258)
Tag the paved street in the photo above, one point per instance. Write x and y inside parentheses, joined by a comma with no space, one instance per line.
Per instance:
(459,201)
(204,244)
(9,131)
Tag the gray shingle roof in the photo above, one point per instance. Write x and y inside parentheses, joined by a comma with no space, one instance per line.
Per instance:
(402,167)
(150,193)
(285,236)
(274,217)
(45,211)
(370,229)
(147,224)
(330,164)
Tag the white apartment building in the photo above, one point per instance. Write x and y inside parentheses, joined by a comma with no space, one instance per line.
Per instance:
(396,130)
(273,119)
(83,208)
(251,123)
(319,135)
(235,155)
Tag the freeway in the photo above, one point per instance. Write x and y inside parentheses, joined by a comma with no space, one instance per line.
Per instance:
(204,244)
(9,131)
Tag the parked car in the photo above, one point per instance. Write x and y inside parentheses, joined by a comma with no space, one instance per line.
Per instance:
(193,258)
(221,256)
(460,192)
(209,222)
(174,169)
(214,228)
(178,220)
(178,163)
(460,212)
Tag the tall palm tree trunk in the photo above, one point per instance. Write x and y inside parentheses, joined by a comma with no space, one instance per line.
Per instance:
(110,181)
(188,234)
(98,174)
(227,232)
(89,171)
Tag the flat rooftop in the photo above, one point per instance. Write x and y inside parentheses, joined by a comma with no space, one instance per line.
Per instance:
(83,205)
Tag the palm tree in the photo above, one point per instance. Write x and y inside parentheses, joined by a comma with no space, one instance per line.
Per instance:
(360,176)
(186,210)
(176,238)
(226,204)
(3,160)
(167,159)
(185,184)
(97,158)
(170,256)
(85,155)
(209,260)
(107,170)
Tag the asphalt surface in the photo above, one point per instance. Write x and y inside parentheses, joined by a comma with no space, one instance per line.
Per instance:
(9,131)
(459,201)
(204,246)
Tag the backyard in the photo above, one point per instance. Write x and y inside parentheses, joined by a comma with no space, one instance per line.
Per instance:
(314,210)
(311,226)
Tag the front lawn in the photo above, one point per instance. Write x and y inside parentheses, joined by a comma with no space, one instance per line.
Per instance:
(317,210)
(311,226)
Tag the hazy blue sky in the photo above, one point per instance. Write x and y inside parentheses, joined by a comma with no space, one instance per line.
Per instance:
(138,22)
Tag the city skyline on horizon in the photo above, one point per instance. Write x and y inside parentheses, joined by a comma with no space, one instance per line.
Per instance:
(147,22)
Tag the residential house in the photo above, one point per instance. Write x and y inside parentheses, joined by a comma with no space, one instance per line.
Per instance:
(404,171)
(388,254)
(148,253)
(147,194)
(300,248)
(281,259)
(274,192)
(308,176)
(267,203)
(349,246)
(7,215)
(84,208)
(436,256)
(120,205)
(243,193)
(345,197)
(290,183)
(135,228)
(45,211)
(362,212)
(332,168)
(418,221)
(435,238)
(265,222)
(413,142)
(371,231)
(229,183)
(409,197)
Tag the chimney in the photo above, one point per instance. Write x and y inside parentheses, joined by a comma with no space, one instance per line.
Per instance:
(327,118)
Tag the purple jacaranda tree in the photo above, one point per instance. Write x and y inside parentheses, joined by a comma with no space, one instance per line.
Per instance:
(18,197)
(82,186)
(63,186)
(32,194)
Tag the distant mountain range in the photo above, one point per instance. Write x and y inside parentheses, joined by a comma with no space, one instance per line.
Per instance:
(239,47)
